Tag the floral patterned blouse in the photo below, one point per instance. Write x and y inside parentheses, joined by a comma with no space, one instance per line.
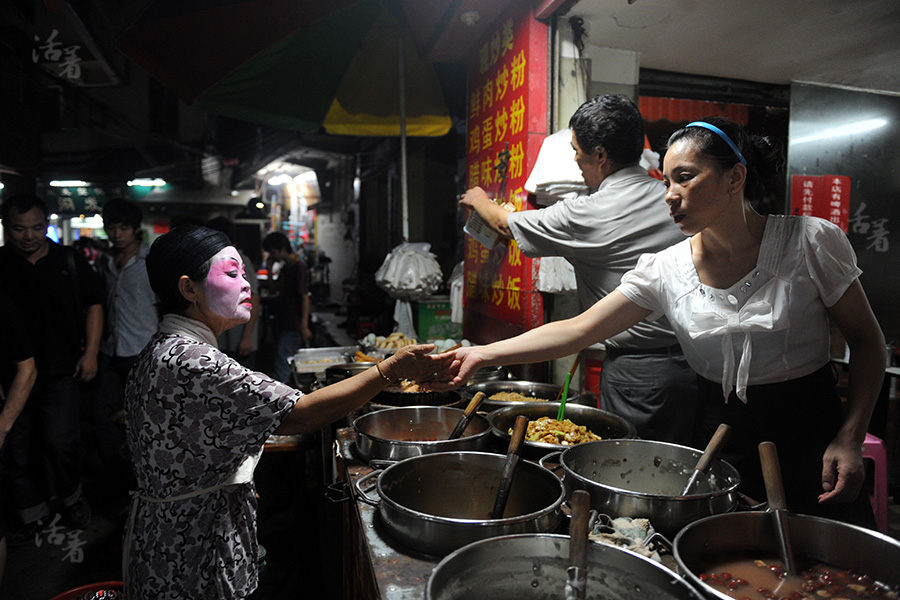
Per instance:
(197,422)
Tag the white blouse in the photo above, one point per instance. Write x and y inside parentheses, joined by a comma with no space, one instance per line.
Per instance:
(774,318)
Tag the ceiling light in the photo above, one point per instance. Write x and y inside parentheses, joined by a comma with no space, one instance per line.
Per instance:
(853,128)
(305,176)
(147,182)
(68,183)
(279,179)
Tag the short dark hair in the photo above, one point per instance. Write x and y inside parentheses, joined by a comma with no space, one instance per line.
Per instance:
(276,241)
(120,210)
(23,203)
(612,123)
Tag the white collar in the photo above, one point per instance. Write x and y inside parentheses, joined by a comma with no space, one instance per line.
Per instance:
(180,325)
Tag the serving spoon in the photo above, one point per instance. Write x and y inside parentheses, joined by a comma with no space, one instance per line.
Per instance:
(709,455)
(576,574)
(768,457)
(474,403)
(509,467)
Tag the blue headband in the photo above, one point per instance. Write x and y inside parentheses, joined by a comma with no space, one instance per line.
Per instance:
(722,135)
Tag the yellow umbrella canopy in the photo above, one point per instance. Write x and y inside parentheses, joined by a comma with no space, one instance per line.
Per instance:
(368,100)
(288,63)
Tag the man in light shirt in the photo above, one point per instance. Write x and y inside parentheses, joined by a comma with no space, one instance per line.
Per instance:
(645,377)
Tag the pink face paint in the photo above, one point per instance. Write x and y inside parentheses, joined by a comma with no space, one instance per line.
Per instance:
(227,290)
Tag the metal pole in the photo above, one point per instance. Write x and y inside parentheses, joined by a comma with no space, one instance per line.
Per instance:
(404,198)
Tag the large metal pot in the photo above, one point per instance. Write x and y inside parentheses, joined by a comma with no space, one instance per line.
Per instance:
(397,433)
(521,567)
(436,503)
(751,535)
(529,389)
(643,478)
(605,424)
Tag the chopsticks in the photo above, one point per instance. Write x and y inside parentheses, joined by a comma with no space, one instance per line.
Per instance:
(564,390)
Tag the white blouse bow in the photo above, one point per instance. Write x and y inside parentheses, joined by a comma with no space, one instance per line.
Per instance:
(753,316)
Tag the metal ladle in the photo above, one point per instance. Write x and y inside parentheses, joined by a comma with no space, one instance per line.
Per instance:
(576,574)
(709,455)
(474,403)
(509,467)
(768,457)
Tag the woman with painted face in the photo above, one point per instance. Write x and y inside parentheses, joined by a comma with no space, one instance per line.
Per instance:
(198,420)
(750,298)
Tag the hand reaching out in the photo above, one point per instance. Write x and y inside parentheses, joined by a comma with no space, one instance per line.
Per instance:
(414,362)
(463,364)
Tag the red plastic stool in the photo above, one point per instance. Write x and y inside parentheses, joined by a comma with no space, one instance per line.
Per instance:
(106,590)
(592,368)
(873,449)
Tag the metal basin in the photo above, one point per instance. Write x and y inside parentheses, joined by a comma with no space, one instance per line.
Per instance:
(605,424)
(436,503)
(522,567)
(530,389)
(642,478)
(751,535)
(397,433)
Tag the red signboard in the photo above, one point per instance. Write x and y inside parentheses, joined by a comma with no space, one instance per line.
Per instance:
(507,106)
(837,200)
(825,196)
(806,195)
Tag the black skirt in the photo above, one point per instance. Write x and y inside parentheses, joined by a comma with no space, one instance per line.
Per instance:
(801,417)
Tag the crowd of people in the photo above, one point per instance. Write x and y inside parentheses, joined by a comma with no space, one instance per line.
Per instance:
(73,327)
(711,312)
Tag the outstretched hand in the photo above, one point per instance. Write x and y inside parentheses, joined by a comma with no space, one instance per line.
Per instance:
(842,472)
(463,363)
(414,362)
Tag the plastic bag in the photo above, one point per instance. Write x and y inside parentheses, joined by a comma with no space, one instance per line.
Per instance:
(409,271)
(556,276)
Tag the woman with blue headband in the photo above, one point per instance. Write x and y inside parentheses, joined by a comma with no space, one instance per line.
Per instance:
(751,299)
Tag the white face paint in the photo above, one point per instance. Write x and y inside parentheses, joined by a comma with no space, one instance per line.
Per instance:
(226,290)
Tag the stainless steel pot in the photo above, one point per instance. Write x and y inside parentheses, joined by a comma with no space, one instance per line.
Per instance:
(436,503)
(397,433)
(530,389)
(605,424)
(522,567)
(643,478)
(751,535)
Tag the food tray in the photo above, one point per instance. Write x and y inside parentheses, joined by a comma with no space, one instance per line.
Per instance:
(316,360)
